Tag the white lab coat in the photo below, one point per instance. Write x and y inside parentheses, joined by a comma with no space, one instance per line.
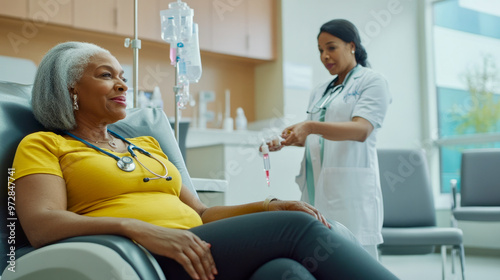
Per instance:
(347,183)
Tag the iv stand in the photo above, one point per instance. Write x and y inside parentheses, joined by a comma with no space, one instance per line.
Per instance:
(136,46)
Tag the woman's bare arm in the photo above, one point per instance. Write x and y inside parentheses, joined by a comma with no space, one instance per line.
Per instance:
(41,204)
(210,214)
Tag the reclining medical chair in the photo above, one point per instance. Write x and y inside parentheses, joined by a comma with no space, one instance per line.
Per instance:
(79,258)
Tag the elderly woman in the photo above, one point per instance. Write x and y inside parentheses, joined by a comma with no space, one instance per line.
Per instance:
(79,178)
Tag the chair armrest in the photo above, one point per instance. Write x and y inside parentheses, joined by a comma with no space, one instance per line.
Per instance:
(453,184)
(209,185)
(86,257)
(210,191)
(74,260)
(144,264)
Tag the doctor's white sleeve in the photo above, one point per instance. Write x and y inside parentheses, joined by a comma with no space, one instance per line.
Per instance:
(374,99)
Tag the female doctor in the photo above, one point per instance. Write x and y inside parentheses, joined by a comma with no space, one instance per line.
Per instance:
(339,173)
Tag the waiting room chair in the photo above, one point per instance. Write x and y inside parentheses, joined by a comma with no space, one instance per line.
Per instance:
(78,258)
(479,187)
(409,214)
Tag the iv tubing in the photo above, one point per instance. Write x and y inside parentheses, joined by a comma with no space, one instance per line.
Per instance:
(177,96)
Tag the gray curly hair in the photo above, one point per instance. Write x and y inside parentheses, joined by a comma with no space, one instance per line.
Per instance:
(57,73)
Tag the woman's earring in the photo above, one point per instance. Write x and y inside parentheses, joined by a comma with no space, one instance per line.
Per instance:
(352,51)
(75,102)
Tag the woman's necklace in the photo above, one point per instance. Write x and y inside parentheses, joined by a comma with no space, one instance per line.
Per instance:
(111,142)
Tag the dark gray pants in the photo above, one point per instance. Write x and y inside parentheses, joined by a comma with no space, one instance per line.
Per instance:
(282,245)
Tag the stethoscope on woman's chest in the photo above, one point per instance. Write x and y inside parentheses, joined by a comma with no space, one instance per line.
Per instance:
(331,92)
(126,163)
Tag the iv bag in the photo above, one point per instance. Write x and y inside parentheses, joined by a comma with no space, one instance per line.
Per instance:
(192,58)
(176,23)
(177,30)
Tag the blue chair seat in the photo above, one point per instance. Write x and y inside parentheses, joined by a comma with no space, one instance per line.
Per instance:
(422,236)
(478,213)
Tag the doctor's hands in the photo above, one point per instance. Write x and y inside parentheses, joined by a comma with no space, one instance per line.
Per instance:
(274,144)
(283,205)
(181,245)
(296,134)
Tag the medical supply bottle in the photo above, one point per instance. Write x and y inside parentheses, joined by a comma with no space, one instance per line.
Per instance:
(241,120)
(156,100)
(143,101)
(228,124)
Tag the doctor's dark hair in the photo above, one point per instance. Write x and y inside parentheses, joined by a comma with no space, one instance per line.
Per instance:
(347,32)
(57,73)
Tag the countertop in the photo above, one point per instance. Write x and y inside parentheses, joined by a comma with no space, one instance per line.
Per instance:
(209,185)
(208,137)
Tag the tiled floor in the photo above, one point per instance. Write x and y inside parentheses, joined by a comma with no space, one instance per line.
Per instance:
(428,267)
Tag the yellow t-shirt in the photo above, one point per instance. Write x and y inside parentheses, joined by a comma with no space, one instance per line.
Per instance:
(95,185)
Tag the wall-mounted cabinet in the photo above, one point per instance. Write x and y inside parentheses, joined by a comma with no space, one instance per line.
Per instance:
(149,20)
(229,27)
(96,15)
(117,17)
(243,28)
(235,27)
(54,12)
(261,28)
(124,21)
(16,9)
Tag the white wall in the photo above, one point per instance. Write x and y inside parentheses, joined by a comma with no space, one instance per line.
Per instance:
(390,30)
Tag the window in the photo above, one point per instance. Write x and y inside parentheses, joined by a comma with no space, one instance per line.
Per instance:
(466,46)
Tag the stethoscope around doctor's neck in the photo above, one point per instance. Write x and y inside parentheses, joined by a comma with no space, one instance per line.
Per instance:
(330,93)
(126,163)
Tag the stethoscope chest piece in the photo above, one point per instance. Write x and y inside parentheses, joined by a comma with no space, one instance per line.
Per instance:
(126,163)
